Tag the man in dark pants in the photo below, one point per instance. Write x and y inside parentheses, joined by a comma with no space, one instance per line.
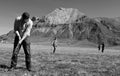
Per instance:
(100,42)
(101,45)
(22,27)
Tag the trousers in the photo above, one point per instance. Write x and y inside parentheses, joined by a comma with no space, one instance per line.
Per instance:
(26,47)
(103,46)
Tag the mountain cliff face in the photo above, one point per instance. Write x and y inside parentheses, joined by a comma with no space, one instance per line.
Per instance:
(63,16)
(69,23)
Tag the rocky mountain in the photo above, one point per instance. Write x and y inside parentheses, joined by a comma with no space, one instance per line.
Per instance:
(63,16)
(69,23)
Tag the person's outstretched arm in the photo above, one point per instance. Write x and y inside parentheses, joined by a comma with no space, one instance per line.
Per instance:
(27,31)
(16,29)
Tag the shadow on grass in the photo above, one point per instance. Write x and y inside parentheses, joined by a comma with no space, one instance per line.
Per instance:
(22,68)
(3,66)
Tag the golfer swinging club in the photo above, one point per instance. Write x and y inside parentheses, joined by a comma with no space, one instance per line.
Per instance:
(22,27)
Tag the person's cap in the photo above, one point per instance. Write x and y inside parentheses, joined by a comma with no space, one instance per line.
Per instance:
(25,15)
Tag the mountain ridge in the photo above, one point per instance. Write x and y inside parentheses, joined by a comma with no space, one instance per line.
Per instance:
(75,25)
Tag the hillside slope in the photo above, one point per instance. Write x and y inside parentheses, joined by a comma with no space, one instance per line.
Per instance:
(69,23)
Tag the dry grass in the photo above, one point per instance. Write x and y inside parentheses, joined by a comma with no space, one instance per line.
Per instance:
(72,63)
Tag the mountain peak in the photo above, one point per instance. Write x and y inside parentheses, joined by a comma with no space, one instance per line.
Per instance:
(70,23)
(63,15)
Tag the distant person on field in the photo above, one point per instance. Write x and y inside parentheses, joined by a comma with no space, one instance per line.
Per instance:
(22,28)
(101,44)
(54,44)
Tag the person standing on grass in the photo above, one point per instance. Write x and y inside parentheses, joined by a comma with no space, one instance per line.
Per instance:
(54,44)
(100,42)
(22,28)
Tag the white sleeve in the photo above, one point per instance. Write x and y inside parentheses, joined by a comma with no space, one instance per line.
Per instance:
(28,29)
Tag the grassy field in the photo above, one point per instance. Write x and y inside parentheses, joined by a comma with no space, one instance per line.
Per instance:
(67,61)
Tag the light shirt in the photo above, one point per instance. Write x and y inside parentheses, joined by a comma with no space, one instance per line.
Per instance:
(23,28)
(54,43)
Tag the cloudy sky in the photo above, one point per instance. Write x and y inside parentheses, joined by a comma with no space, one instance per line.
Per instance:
(9,9)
